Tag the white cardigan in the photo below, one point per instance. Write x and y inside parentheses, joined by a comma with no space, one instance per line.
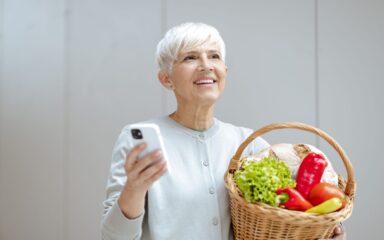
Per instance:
(191,202)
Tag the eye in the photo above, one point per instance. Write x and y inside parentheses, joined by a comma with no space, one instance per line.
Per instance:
(189,57)
(215,56)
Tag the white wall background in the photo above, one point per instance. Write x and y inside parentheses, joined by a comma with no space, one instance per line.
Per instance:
(73,73)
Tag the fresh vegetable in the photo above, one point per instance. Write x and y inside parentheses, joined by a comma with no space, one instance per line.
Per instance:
(291,199)
(310,172)
(324,191)
(292,155)
(328,206)
(259,180)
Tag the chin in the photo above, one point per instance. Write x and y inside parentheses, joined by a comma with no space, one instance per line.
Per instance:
(209,100)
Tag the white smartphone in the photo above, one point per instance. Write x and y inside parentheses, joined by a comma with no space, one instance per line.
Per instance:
(151,135)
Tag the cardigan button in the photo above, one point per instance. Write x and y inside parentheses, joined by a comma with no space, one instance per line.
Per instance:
(215,221)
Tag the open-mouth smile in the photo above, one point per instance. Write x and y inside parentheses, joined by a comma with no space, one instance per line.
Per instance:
(204,82)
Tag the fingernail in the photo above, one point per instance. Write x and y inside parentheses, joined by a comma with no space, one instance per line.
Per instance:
(165,168)
(162,164)
(158,153)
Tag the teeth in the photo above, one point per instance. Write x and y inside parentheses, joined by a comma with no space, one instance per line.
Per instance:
(205,81)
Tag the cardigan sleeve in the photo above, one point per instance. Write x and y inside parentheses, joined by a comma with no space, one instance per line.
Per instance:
(257,145)
(115,226)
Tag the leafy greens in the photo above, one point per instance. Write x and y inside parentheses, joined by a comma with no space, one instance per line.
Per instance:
(259,180)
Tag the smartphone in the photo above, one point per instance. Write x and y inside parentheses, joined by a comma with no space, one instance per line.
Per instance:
(151,135)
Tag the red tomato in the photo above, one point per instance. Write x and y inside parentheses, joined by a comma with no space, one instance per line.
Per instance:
(324,191)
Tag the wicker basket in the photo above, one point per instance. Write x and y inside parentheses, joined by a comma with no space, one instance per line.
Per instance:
(260,221)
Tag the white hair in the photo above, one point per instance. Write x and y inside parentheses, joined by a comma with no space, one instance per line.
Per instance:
(183,37)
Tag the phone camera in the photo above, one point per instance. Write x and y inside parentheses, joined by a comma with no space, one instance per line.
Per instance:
(136,133)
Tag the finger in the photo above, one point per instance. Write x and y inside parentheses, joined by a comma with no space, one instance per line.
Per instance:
(338,231)
(146,161)
(160,173)
(149,175)
(338,234)
(132,155)
(154,172)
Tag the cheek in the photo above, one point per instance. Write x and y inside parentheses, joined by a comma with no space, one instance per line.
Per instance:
(222,85)
(222,74)
(222,71)
(223,80)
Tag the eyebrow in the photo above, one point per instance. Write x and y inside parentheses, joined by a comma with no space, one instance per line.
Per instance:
(195,52)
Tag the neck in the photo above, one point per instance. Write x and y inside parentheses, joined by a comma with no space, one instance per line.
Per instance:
(197,118)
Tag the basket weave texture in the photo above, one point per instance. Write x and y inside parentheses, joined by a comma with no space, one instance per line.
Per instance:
(261,222)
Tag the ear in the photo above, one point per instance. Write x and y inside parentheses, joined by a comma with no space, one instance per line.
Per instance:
(165,80)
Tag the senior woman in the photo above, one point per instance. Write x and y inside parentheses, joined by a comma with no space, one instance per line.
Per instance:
(144,200)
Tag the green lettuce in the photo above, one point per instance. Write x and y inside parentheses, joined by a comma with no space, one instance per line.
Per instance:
(259,180)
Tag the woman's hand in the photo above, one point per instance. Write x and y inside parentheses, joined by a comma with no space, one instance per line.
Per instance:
(339,234)
(141,172)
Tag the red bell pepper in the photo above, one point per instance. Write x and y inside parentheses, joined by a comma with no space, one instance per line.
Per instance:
(310,172)
(291,199)
(324,191)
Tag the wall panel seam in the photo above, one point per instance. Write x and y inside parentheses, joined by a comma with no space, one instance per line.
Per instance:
(316,60)
(2,35)
(66,100)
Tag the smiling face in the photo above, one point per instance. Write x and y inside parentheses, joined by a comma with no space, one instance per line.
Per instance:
(197,76)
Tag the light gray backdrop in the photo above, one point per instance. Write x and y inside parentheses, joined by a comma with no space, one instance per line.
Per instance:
(73,73)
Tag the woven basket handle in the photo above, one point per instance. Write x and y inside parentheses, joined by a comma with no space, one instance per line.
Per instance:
(351,184)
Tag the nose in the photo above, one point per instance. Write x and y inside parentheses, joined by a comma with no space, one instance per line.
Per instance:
(205,65)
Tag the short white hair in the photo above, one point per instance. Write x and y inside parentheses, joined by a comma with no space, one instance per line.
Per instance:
(185,36)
